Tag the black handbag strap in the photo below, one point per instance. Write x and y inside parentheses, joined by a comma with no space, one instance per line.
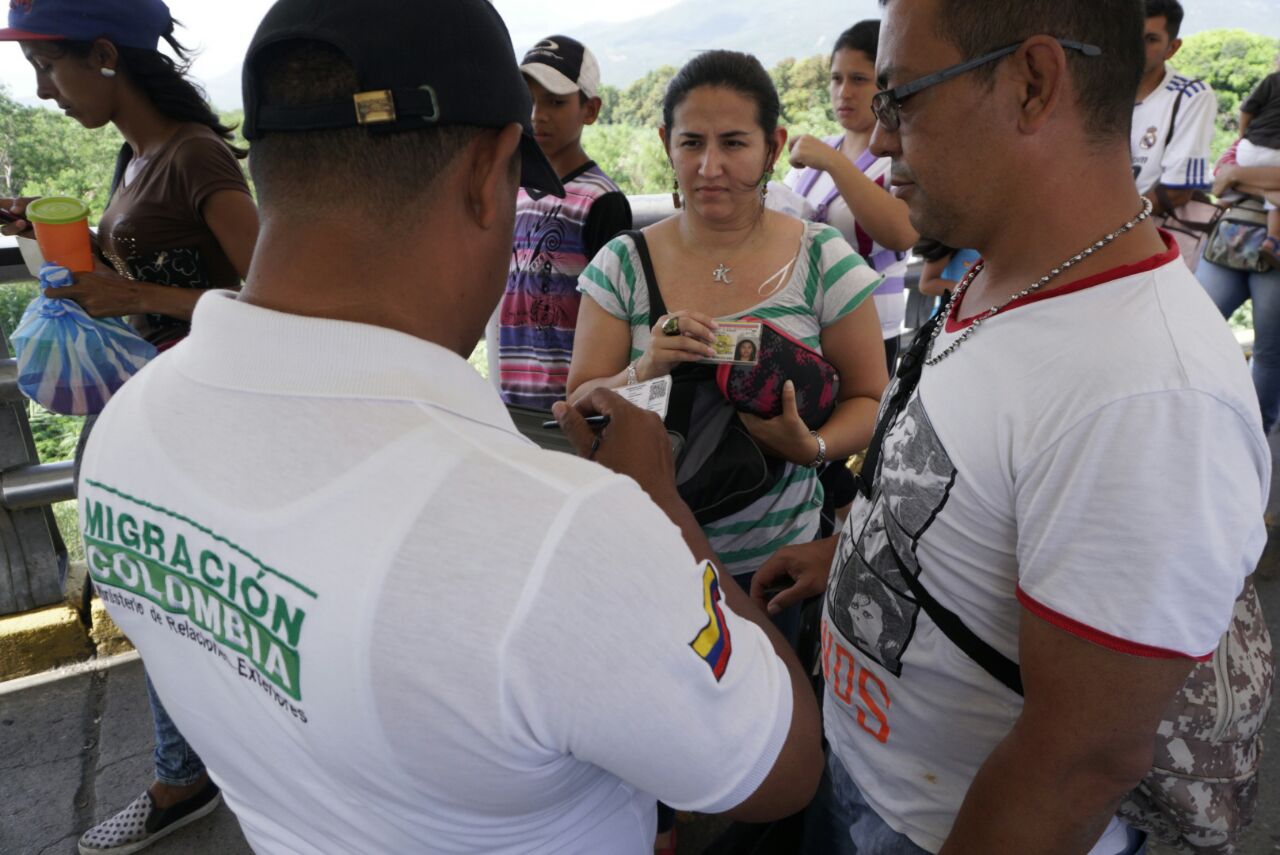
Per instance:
(657,306)
(991,660)
(1173,117)
(908,375)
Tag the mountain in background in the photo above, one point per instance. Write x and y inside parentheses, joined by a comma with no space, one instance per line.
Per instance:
(673,36)
(772,32)
(224,90)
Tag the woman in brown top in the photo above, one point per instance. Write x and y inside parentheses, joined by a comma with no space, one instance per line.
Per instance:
(180,221)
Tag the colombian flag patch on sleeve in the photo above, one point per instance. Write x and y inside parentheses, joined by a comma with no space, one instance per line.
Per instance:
(712,643)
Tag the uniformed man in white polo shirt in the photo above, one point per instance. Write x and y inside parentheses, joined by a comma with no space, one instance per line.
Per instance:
(1173,117)
(387,621)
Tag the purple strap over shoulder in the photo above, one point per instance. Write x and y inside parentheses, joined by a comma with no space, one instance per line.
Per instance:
(810,177)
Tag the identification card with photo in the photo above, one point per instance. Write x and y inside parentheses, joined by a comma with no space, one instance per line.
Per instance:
(652,395)
(737,342)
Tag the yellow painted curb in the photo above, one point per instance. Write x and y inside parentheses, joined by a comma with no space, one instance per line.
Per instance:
(41,640)
(104,633)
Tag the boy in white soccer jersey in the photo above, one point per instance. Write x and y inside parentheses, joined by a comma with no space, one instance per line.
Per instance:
(1172,117)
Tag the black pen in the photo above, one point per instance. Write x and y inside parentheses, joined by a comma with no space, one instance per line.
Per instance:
(592,421)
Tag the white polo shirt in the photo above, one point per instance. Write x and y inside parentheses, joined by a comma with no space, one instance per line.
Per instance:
(389,623)
(1184,162)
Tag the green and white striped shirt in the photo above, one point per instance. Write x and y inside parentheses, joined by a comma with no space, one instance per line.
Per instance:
(829,280)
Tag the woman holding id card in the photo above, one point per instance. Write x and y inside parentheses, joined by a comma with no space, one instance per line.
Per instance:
(751,297)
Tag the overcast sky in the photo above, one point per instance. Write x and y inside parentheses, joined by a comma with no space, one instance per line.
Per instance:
(221,30)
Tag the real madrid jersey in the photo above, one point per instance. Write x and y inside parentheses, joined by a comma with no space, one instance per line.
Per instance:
(1180,160)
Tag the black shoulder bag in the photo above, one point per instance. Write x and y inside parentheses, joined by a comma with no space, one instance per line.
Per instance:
(719,468)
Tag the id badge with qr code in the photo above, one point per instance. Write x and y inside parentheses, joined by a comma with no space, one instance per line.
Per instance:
(737,342)
(652,395)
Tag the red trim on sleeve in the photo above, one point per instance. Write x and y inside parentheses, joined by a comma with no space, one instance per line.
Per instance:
(1097,636)
(1158,260)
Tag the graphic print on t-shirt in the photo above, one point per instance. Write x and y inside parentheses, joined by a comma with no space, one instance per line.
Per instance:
(199,586)
(544,237)
(867,600)
(180,267)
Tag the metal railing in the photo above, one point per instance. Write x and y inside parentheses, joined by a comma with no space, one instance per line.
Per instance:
(35,484)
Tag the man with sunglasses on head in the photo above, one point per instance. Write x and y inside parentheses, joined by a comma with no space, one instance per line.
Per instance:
(1064,495)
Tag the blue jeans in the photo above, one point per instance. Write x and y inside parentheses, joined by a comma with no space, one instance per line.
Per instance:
(840,822)
(177,763)
(1229,289)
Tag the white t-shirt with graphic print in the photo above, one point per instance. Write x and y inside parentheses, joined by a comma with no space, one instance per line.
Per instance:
(389,623)
(1184,162)
(1093,455)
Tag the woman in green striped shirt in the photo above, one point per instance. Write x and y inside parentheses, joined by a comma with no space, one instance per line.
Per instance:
(723,256)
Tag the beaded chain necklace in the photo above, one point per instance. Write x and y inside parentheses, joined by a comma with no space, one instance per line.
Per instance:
(956,295)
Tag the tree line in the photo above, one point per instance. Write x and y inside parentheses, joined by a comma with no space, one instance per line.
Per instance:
(625,140)
(43,152)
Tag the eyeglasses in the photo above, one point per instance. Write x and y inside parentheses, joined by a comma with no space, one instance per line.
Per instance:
(887,102)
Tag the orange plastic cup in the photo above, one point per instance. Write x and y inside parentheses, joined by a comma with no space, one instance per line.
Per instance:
(62,230)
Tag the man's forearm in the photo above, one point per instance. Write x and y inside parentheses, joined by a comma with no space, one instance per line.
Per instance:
(1265,177)
(1029,801)
(1272,196)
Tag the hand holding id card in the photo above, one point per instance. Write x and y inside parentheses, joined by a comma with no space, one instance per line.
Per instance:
(737,343)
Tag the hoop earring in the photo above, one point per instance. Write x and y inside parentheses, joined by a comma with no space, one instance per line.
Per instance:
(675,193)
(107,72)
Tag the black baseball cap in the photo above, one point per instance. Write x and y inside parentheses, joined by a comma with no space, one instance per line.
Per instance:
(420,63)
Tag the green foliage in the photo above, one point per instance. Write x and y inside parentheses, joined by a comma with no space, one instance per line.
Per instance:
(641,103)
(44,153)
(55,435)
(66,517)
(1232,62)
(803,89)
(479,358)
(14,299)
(609,96)
(632,155)
(1243,317)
